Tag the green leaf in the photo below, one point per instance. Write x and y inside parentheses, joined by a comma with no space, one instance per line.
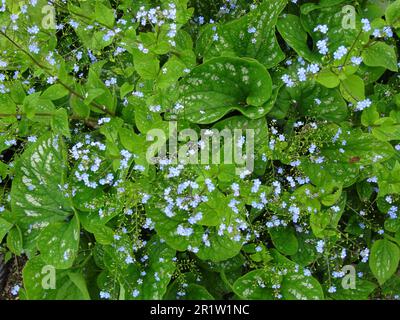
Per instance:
(60,123)
(254,285)
(284,239)
(35,104)
(353,88)
(55,92)
(386,129)
(5,226)
(214,210)
(297,286)
(80,282)
(7,106)
(362,291)
(388,178)
(79,107)
(197,292)
(15,241)
(170,72)
(331,15)
(327,78)
(94,86)
(146,65)
(364,190)
(306,253)
(104,14)
(36,199)
(290,28)
(380,54)
(221,248)
(324,223)
(125,89)
(221,85)
(363,146)
(309,7)
(35,274)
(59,243)
(146,120)
(234,38)
(369,116)
(384,259)
(44,282)
(322,103)
(94,224)
(392,14)
(92,94)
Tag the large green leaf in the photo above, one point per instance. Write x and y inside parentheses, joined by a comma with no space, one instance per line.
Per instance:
(255,285)
(290,28)
(214,210)
(392,14)
(388,177)
(331,16)
(221,85)
(284,239)
(234,38)
(59,242)
(362,291)
(167,229)
(306,253)
(322,103)
(380,54)
(297,286)
(43,282)
(146,65)
(353,88)
(15,242)
(314,100)
(104,15)
(386,129)
(384,259)
(37,199)
(328,78)
(221,248)
(361,146)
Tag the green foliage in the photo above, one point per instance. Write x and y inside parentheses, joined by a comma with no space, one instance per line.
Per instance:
(385,257)
(176,149)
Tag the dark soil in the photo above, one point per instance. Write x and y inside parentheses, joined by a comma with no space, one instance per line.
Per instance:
(10,276)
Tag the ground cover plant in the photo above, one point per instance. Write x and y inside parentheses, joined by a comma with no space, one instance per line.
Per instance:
(109,186)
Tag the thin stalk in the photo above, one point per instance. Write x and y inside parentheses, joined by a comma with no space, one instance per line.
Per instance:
(45,69)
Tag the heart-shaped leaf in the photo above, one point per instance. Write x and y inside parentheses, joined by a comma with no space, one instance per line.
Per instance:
(221,85)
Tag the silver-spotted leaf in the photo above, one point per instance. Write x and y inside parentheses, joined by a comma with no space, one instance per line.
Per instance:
(384,259)
(252,36)
(36,196)
(58,243)
(221,85)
